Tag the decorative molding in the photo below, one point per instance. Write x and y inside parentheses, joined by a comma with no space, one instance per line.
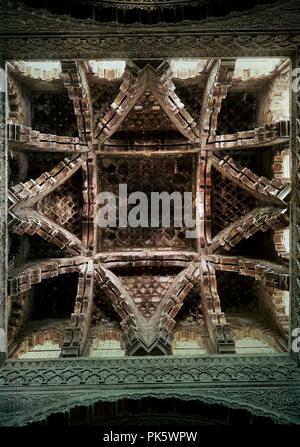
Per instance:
(141,45)
(280,17)
(201,370)
(83,382)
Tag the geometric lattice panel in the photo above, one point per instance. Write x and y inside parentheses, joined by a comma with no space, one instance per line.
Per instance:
(229,202)
(64,205)
(140,174)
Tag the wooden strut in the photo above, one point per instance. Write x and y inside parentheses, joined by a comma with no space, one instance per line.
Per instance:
(133,87)
(26,219)
(219,331)
(74,75)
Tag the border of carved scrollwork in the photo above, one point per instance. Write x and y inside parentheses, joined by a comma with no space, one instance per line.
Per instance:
(265,385)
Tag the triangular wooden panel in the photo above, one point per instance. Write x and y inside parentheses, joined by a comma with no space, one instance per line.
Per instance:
(147,291)
(229,202)
(147,115)
(64,205)
(152,90)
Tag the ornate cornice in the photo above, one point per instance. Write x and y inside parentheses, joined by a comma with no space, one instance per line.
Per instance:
(277,17)
(230,380)
(202,371)
(143,46)
(263,31)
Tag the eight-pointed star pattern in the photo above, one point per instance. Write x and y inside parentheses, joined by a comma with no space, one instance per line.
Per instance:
(149,332)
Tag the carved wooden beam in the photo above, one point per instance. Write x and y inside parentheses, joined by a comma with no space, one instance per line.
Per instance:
(259,219)
(25,219)
(143,334)
(25,195)
(144,258)
(89,212)
(219,80)
(29,221)
(280,245)
(123,304)
(260,187)
(76,82)
(131,90)
(163,90)
(281,165)
(271,274)
(203,201)
(24,138)
(172,302)
(270,134)
(22,279)
(76,333)
(219,330)
(134,85)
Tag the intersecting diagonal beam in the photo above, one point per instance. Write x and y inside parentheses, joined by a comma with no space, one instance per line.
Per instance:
(75,335)
(25,195)
(29,221)
(218,82)
(270,273)
(259,219)
(26,219)
(219,330)
(74,74)
(273,191)
(22,279)
(89,211)
(111,286)
(134,85)
(172,302)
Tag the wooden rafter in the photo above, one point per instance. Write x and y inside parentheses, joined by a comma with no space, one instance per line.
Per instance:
(133,87)
(75,335)
(272,274)
(25,139)
(75,80)
(26,219)
(219,80)
(29,221)
(25,195)
(218,328)
(270,134)
(22,279)
(89,212)
(261,188)
(259,219)
(203,201)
